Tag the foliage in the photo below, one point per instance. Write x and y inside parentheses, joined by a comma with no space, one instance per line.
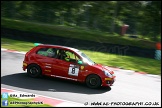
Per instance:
(76,33)
(143,17)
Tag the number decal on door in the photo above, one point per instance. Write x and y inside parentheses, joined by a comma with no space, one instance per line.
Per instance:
(73,70)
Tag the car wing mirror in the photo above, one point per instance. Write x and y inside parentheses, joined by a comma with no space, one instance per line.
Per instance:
(80,62)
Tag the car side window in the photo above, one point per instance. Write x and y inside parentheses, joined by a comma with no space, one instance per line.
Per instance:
(70,57)
(48,52)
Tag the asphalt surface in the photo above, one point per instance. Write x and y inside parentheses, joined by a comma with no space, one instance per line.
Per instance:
(129,87)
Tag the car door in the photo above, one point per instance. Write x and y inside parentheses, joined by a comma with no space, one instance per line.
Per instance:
(57,69)
(69,65)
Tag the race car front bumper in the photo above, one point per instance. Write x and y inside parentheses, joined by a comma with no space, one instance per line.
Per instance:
(108,81)
(24,66)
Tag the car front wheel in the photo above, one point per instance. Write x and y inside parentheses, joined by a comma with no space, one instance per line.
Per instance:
(34,70)
(93,81)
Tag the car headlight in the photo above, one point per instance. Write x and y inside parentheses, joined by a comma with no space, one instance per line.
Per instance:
(107,73)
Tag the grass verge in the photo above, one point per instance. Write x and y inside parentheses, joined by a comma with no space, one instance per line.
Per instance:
(150,66)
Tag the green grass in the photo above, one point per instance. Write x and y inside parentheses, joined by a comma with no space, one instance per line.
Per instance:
(138,64)
(150,66)
(11,99)
(75,32)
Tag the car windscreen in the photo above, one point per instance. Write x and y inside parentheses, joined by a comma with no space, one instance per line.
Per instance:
(86,58)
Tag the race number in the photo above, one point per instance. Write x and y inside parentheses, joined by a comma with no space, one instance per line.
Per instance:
(73,70)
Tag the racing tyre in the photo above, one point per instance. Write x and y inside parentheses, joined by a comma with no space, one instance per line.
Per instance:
(34,70)
(93,81)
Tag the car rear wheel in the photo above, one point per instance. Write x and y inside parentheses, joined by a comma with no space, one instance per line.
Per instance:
(34,70)
(93,81)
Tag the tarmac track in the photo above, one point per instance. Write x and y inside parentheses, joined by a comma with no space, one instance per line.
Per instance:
(129,86)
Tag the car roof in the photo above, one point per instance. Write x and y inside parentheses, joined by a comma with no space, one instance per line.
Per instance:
(58,46)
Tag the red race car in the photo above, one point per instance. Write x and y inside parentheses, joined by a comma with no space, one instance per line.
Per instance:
(67,63)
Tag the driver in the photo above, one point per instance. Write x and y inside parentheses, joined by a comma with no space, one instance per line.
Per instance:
(62,55)
(65,56)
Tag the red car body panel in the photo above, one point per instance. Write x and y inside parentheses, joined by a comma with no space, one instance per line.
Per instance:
(59,68)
